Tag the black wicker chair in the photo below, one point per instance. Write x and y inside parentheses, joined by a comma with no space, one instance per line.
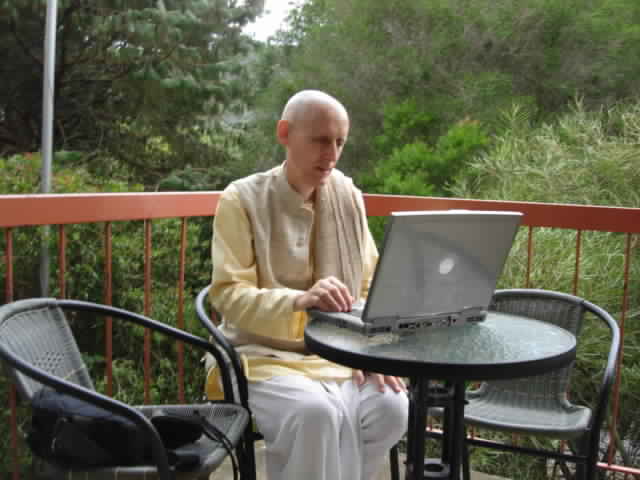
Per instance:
(39,351)
(539,405)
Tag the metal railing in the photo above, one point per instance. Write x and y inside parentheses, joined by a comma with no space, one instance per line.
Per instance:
(20,211)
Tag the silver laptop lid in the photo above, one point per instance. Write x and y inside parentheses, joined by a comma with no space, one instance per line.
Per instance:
(439,262)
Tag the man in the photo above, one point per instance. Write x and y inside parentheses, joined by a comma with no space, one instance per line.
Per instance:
(286,240)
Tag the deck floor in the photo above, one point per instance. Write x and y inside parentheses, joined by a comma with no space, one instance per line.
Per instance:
(225,472)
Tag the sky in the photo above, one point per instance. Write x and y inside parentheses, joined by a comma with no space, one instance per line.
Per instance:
(275,12)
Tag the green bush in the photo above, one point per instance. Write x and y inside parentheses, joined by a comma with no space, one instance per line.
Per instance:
(410,163)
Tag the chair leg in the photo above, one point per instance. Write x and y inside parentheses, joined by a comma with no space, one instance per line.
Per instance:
(247,457)
(466,470)
(586,471)
(394,465)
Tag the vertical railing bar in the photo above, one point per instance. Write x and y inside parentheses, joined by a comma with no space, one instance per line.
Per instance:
(515,438)
(14,431)
(576,273)
(8,261)
(8,294)
(181,275)
(616,386)
(108,300)
(576,277)
(62,261)
(527,282)
(147,310)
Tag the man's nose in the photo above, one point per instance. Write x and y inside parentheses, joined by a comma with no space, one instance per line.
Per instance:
(333,151)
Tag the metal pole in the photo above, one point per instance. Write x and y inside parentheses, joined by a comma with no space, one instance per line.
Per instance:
(48,88)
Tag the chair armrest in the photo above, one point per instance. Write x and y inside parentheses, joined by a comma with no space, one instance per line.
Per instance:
(609,374)
(233,359)
(125,315)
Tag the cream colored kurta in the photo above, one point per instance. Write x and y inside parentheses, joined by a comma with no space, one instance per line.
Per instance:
(266,311)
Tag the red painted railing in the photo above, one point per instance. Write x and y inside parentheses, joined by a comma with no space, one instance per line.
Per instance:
(19,211)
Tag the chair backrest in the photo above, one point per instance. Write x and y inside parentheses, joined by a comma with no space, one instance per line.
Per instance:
(35,332)
(563,310)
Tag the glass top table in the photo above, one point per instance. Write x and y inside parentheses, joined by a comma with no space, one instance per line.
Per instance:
(502,346)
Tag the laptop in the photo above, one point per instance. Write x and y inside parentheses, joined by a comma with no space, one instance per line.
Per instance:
(436,269)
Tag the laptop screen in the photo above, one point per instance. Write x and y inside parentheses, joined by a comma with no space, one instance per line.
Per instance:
(440,262)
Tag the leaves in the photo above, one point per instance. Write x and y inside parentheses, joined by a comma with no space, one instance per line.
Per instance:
(457,59)
(123,74)
(410,163)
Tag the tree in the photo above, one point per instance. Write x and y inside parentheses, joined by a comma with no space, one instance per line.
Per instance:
(136,81)
(459,58)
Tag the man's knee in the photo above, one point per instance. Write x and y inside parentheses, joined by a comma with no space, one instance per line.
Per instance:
(396,408)
(389,416)
(315,412)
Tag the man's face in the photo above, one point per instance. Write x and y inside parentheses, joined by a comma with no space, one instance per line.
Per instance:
(314,144)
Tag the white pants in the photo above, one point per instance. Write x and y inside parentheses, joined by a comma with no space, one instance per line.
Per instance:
(318,430)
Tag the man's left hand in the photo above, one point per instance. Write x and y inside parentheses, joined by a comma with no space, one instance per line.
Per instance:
(396,383)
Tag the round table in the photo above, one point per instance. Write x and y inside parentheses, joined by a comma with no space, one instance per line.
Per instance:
(500,347)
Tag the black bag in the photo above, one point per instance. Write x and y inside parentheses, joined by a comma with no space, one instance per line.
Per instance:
(71,432)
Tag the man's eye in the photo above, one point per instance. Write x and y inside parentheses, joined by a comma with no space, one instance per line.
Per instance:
(328,141)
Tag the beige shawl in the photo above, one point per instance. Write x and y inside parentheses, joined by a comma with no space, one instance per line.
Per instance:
(339,231)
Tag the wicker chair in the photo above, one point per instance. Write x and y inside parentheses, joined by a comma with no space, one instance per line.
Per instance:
(237,388)
(240,388)
(40,351)
(539,405)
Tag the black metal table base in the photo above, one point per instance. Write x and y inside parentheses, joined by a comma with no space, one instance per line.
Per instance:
(423,396)
(435,468)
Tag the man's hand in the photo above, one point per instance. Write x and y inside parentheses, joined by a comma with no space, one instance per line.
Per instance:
(328,294)
(396,383)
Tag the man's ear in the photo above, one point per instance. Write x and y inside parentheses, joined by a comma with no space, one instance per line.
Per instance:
(282,132)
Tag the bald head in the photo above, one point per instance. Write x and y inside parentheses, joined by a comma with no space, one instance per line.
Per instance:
(313,129)
(304,103)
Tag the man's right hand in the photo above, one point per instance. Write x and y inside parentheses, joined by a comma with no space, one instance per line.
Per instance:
(328,294)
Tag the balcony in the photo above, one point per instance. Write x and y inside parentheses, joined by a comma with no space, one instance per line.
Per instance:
(162,239)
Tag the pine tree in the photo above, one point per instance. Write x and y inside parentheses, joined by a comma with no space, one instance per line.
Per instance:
(135,80)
